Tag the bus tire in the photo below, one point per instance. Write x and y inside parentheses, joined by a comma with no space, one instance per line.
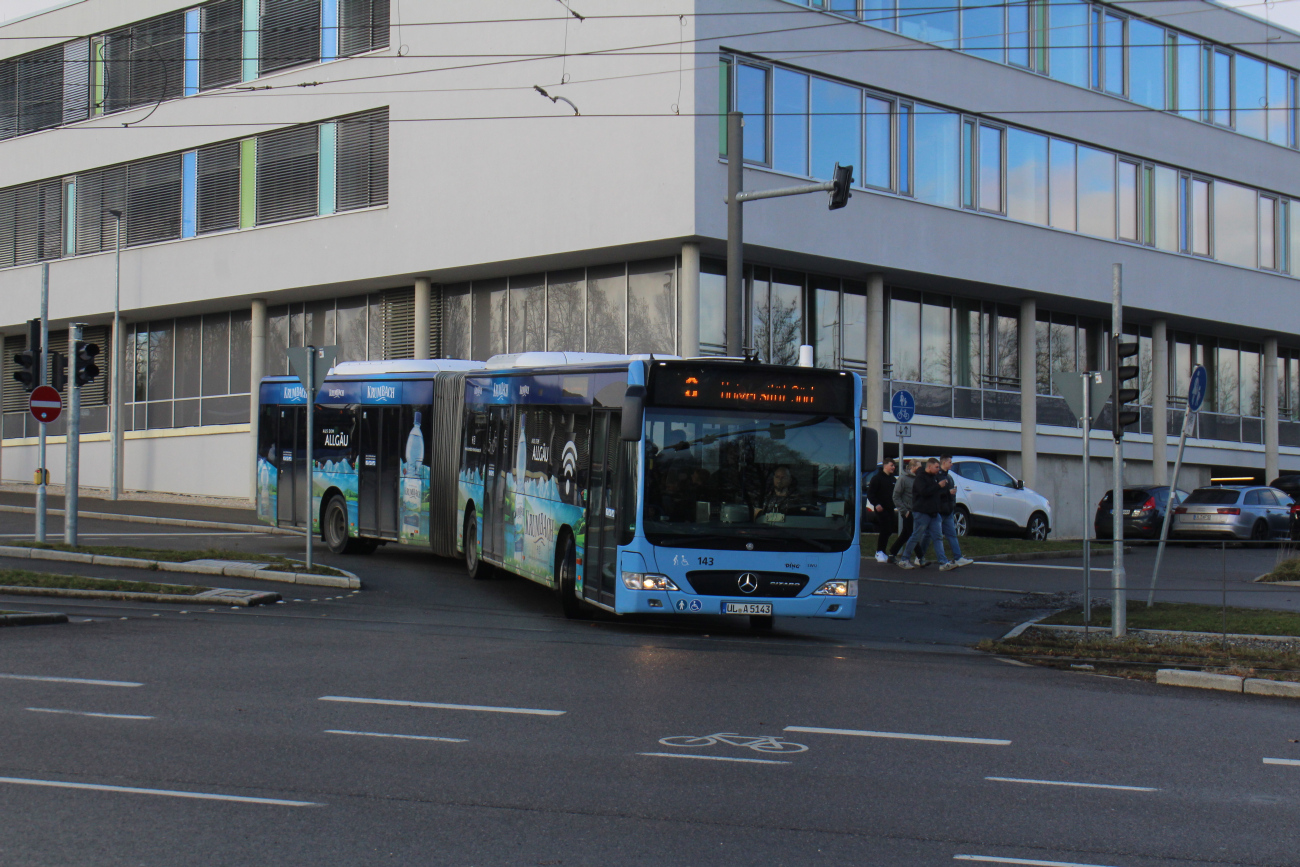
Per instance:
(474,565)
(566,583)
(761,622)
(334,527)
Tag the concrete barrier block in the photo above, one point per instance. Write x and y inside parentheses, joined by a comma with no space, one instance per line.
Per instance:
(1263,686)
(15,551)
(239,571)
(1199,679)
(67,556)
(124,562)
(327,581)
(192,568)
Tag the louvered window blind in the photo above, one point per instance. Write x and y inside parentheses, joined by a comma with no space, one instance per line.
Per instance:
(40,89)
(363,26)
(145,62)
(98,192)
(290,33)
(31,223)
(399,323)
(435,322)
(362,160)
(221,35)
(218,187)
(287,169)
(76,80)
(153,200)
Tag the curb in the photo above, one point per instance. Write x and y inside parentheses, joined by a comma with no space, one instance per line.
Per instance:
(218,595)
(32,619)
(170,522)
(1020,628)
(1027,556)
(348,580)
(1228,683)
(1283,639)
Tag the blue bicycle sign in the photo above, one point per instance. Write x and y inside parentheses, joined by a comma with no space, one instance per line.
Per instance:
(1196,390)
(903,406)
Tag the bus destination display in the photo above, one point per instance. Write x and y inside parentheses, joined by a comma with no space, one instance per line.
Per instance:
(762,388)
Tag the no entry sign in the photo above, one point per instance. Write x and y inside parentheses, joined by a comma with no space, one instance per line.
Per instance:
(46,404)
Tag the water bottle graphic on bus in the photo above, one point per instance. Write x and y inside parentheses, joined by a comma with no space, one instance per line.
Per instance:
(413,480)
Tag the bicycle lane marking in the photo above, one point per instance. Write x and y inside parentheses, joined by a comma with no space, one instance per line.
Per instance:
(758,743)
(716,758)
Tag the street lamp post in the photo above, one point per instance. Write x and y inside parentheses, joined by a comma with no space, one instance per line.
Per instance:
(115,365)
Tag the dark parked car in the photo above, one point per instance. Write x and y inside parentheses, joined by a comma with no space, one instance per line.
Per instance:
(1289,485)
(1144,512)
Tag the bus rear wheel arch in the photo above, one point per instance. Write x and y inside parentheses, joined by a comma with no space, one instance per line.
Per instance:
(334,528)
(566,577)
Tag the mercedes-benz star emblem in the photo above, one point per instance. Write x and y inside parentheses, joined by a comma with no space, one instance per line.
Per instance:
(747,582)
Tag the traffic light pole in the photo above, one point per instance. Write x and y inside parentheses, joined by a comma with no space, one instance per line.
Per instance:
(1119,604)
(72,487)
(42,475)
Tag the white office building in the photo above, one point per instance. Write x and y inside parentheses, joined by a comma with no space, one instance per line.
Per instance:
(462,179)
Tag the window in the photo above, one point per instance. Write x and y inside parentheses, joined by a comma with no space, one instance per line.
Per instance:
(1096,192)
(1165,209)
(776,306)
(990,169)
(144,63)
(827,328)
(928,21)
(1188,66)
(878,161)
(836,127)
(652,306)
(1128,201)
(1268,233)
(983,29)
(904,337)
(1195,194)
(1220,87)
(936,152)
(153,200)
(1279,106)
(1063,185)
(936,347)
(789,122)
(1068,54)
(527,314)
(218,187)
(363,26)
(98,192)
(606,309)
(287,163)
(1027,176)
(1234,224)
(566,293)
(362,164)
(713,308)
(751,100)
(290,33)
(1146,55)
(221,25)
(879,13)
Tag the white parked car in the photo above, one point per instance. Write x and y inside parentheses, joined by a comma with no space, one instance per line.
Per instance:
(990,498)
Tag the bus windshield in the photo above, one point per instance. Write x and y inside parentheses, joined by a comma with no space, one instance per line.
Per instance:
(749,480)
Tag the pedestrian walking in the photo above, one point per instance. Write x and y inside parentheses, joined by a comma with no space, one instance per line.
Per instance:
(880,495)
(948,508)
(927,493)
(903,505)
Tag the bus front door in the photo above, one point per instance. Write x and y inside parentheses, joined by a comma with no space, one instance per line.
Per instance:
(604,497)
(496,468)
(380,441)
(291,465)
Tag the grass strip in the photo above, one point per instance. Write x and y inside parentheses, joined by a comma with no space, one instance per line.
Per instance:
(1287,570)
(174,555)
(1139,659)
(1187,617)
(23,578)
(985,546)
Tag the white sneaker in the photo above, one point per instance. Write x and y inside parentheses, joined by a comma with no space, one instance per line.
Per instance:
(905,564)
(964,561)
(882,557)
(949,566)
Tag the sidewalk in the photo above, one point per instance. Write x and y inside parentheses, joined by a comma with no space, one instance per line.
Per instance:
(155,506)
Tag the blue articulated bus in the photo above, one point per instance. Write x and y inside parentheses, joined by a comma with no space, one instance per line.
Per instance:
(630,484)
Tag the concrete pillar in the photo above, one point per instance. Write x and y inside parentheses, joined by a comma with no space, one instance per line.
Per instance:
(875,391)
(1159,401)
(256,370)
(688,332)
(423,306)
(1028,393)
(1270,410)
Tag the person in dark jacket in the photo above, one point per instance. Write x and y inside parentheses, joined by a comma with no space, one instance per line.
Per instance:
(928,492)
(880,494)
(903,503)
(947,507)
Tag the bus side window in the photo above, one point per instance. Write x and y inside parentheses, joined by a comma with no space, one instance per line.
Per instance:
(631,454)
(266,440)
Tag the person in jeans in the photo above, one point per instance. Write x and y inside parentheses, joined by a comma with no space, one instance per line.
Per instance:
(903,503)
(927,495)
(947,507)
(880,494)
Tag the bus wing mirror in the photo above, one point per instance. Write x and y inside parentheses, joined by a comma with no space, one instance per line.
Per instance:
(870,446)
(633,413)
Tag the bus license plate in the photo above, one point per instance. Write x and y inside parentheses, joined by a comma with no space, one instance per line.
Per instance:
(764,608)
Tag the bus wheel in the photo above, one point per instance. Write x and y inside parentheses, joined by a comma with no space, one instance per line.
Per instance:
(334,527)
(566,585)
(474,565)
(761,622)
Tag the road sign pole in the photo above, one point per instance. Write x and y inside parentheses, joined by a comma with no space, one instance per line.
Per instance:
(1087,498)
(72,495)
(1196,394)
(42,475)
(1119,602)
(311,417)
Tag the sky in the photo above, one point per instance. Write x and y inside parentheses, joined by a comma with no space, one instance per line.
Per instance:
(1284,12)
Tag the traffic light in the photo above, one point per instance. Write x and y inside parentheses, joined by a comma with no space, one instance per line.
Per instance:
(58,370)
(842,179)
(29,360)
(85,370)
(1123,386)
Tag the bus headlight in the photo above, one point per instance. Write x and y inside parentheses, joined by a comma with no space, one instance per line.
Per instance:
(647,581)
(836,588)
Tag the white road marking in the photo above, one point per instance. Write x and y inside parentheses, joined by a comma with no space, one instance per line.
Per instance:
(202,796)
(715,758)
(989,859)
(899,736)
(69,679)
(1013,662)
(89,713)
(1078,785)
(442,706)
(1282,761)
(1040,566)
(404,737)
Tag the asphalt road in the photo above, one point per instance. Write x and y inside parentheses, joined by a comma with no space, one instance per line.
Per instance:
(429,719)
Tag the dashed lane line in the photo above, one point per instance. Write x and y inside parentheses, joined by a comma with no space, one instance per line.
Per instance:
(442,706)
(1032,862)
(715,758)
(69,680)
(904,736)
(88,713)
(1076,785)
(170,793)
(1282,762)
(403,737)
